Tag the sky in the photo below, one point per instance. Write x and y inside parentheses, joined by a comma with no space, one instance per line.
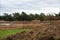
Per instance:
(29,6)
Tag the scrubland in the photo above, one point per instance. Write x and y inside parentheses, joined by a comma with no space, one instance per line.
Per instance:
(32,30)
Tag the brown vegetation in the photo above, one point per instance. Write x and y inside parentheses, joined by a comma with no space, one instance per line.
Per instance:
(45,31)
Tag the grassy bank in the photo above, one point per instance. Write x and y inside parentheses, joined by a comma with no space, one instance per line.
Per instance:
(5,33)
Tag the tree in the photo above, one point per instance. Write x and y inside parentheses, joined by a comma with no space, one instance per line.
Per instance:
(8,17)
(1,17)
(32,16)
(37,16)
(57,14)
(42,15)
(26,17)
(23,16)
(50,17)
(16,16)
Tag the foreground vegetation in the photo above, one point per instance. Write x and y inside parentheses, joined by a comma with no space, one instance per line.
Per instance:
(5,33)
(43,32)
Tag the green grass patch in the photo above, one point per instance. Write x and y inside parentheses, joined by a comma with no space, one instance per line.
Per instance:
(5,33)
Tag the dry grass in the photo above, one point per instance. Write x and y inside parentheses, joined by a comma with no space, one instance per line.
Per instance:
(48,30)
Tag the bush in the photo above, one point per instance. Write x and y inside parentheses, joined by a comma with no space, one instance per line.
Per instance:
(47,38)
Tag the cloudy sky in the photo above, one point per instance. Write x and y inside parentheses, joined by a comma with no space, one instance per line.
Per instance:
(29,6)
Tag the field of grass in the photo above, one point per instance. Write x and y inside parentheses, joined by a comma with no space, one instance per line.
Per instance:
(5,33)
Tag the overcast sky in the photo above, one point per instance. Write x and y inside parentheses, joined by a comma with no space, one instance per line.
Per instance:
(29,6)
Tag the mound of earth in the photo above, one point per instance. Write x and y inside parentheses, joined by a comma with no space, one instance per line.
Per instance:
(43,32)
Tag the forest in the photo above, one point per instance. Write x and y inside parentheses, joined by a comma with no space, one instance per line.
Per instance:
(29,17)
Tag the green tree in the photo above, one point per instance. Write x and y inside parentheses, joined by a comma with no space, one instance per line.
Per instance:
(26,17)
(1,17)
(57,14)
(42,15)
(16,16)
(37,16)
(7,17)
(32,16)
(23,16)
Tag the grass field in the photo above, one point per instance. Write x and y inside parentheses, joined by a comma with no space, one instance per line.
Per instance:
(5,33)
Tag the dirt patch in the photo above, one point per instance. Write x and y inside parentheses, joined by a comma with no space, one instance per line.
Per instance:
(26,24)
(18,24)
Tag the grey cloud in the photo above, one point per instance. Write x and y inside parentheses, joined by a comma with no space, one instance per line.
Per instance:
(29,4)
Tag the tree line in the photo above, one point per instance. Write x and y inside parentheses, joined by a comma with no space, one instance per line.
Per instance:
(25,17)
